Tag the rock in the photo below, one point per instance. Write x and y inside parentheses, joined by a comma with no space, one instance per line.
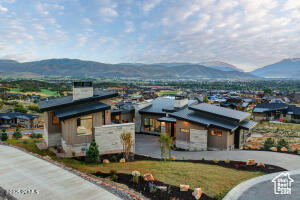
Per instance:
(261,164)
(273,149)
(162,188)
(197,193)
(284,149)
(172,158)
(122,160)
(148,177)
(251,162)
(184,188)
(106,161)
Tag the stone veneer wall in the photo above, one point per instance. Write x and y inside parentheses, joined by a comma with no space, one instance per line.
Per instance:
(52,139)
(108,137)
(198,141)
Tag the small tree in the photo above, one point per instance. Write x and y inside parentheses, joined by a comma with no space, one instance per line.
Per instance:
(17,134)
(205,99)
(269,142)
(282,143)
(92,154)
(127,142)
(165,142)
(4,136)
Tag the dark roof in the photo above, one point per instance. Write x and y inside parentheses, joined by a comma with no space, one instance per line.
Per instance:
(267,107)
(292,109)
(85,109)
(61,102)
(203,119)
(16,115)
(220,111)
(123,107)
(166,119)
(247,124)
(161,106)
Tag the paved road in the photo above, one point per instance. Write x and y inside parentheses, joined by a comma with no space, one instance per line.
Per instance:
(148,145)
(263,188)
(19,170)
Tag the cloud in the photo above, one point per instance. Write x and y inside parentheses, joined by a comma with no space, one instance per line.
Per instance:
(129,28)
(87,21)
(3,9)
(149,5)
(81,40)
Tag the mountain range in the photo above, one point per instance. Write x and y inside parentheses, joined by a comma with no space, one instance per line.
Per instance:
(287,68)
(81,68)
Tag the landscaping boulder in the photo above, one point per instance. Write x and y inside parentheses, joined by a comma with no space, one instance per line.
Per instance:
(284,149)
(184,188)
(122,160)
(251,162)
(261,164)
(106,161)
(197,193)
(273,149)
(148,177)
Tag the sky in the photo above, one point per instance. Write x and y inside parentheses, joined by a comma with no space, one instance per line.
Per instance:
(246,33)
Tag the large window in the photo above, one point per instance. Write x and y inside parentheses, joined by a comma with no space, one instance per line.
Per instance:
(55,120)
(85,125)
(184,130)
(151,125)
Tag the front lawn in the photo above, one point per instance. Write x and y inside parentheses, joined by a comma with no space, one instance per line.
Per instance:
(215,181)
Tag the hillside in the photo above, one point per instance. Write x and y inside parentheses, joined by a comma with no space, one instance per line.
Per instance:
(221,66)
(80,68)
(287,68)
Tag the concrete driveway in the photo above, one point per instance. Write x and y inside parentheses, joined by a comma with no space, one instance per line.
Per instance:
(21,171)
(148,145)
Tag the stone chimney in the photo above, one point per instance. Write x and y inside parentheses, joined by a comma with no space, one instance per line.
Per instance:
(180,101)
(82,90)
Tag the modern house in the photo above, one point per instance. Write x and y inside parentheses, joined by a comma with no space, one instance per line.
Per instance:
(12,119)
(276,111)
(74,121)
(196,127)
(235,103)
(123,112)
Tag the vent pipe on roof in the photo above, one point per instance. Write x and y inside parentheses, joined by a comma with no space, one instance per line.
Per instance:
(82,90)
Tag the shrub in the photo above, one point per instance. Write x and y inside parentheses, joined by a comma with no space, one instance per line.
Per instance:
(269,143)
(114,159)
(73,153)
(92,154)
(4,136)
(59,150)
(25,142)
(282,143)
(113,175)
(203,159)
(127,142)
(32,135)
(20,108)
(34,108)
(227,161)
(165,142)
(215,161)
(17,134)
(136,176)
(39,135)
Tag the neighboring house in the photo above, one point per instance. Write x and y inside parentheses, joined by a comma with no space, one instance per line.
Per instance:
(11,119)
(152,115)
(196,127)
(276,111)
(234,103)
(74,121)
(205,126)
(123,113)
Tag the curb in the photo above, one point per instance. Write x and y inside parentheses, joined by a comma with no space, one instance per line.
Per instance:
(237,191)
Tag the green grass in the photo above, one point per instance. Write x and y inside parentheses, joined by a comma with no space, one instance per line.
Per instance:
(49,92)
(168,93)
(15,89)
(214,180)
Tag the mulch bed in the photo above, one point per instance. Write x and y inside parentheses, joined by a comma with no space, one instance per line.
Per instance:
(152,190)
